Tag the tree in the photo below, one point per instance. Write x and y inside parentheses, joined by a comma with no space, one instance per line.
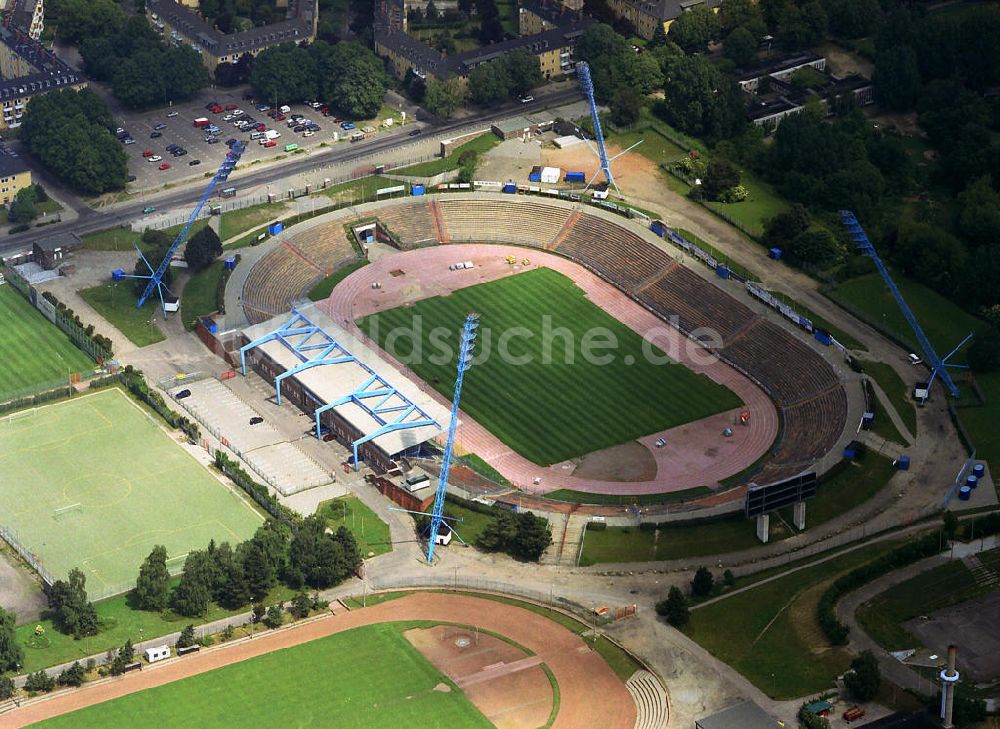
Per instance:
(740,46)
(39,682)
(801,26)
(11,653)
(23,208)
(194,592)
(949,524)
(979,216)
(984,354)
(315,557)
(854,18)
(187,638)
(81,19)
(626,106)
(350,77)
(284,73)
(124,657)
(259,574)
(864,678)
(523,71)
(6,688)
(275,616)
(814,249)
(489,83)
(897,77)
(301,604)
(152,586)
(931,255)
(443,98)
(702,101)
(695,29)
(787,225)
(722,175)
(746,14)
(231,589)
(72,676)
(72,612)
(523,536)
(202,249)
(674,608)
(703,582)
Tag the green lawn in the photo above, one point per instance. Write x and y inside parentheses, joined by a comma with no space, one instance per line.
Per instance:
(200,294)
(239,221)
(119,622)
(368,676)
(553,404)
(884,426)
(370,532)
(948,584)
(94,483)
(769,633)
(655,147)
(473,522)
(668,497)
(35,351)
(324,288)
(116,302)
(982,421)
(737,268)
(897,391)
(124,239)
(764,203)
(484,469)
(480,144)
(851,485)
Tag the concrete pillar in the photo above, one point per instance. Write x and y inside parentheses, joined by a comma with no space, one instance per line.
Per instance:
(949,677)
(799,515)
(763,527)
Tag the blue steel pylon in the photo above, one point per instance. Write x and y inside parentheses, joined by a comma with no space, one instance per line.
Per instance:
(939,365)
(587,86)
(465,355)
(155,276)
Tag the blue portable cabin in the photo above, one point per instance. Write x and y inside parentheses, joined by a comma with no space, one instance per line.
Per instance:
(575,176)
(417,190)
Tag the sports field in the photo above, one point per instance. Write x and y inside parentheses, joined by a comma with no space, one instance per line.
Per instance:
(35,351)
(365,677)
(95,483)
(556,405)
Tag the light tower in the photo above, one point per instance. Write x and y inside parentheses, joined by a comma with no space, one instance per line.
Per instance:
(587,86)
(465,355)
(949,678)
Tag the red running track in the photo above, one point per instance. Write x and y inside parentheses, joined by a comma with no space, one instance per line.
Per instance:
(696,454)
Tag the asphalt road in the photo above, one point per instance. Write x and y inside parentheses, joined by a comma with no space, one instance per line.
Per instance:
(90,220)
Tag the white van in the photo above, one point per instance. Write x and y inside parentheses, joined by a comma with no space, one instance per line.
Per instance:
(284,109)
(256,135)
(914,359)
(272,134)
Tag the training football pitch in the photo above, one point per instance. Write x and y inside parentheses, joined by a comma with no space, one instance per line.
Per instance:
(35,351)
(95,483)
(365,677)
(554,408)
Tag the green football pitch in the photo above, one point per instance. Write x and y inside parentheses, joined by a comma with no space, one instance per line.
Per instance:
(35,352)
(95,483)
(553,408)
(365,677)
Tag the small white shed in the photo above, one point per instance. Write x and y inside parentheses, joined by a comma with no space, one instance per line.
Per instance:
(550,174)
(157,653)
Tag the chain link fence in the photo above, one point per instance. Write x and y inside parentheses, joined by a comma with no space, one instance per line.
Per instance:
(12,538)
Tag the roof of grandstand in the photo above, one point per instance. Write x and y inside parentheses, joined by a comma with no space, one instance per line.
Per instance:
(395,415)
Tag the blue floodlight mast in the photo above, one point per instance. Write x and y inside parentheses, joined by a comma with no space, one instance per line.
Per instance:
(939,365)
(587,86)
(155,277)
(465,356)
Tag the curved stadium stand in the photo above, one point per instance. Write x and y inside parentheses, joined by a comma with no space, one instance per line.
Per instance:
(805,388)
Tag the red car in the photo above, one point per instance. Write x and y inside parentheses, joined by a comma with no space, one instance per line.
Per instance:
(261,127)
(165,166)
(273,113)
(215,109)
(268,143)
(147,153)
(230,107)
(325,108)
(280,117)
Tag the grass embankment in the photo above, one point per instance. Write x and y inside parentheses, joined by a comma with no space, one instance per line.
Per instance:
(370,532)
(480,145)
(324,288)
(896,390)
(200,297)
(116,302)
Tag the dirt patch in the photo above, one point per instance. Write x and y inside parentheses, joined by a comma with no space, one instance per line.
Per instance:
(802,613)
(501,680)
(636,175)
(972,627)
(630,461)
(20,593)
(443,688)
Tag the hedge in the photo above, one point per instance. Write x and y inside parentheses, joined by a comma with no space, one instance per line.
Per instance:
(137,385)
(256,491)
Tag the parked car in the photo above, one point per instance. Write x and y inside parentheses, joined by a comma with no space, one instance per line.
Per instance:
(180,153)
(231,141)
(414,133)
(527,99)
(155,135)
(261,127)
(164,166)
(210,104)
(147,153)
(148,209)
(313,127)
(262,107)
(347,125)
(308,133)
(230,107)
(131,178)
(171,115)
(160,126)
(269,143)
(194,163)
(154,158)
(128,140)
(299,128)
(217,109)
(280,117)
(172,147)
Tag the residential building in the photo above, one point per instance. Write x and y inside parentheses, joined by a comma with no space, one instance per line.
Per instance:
(28,15)
(646,15)
(181,25)
(14,175)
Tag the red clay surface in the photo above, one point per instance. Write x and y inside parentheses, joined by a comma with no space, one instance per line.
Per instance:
(696,454)
(591,694)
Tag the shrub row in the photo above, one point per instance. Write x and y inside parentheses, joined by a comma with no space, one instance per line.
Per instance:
(835,631)
(256,491)
(27,401)
(137,385)
(86,330)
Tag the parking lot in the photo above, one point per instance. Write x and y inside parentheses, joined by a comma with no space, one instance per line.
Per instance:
(202,158)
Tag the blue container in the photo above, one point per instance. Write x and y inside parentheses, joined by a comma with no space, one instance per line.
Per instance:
(575,177)
(417,190)
(823,337)
(657,227)
(117,275)
(510,188)
(971,481)
(212,326)
(275,228)
(904,463)
(229,263)
(979,470)
(964,493)
(722,271)
(850,454)
(534,177)
(774,254)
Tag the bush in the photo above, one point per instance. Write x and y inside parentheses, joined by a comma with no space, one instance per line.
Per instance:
(186,639)
(703,582)
(674,608)
(597,526)
(647,526)
(72,676)
(6,688)
(39,682)
(275,616)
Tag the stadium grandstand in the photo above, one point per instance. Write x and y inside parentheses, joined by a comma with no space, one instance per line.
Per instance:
(354,396)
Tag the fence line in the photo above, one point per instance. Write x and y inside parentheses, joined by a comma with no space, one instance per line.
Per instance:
(27,555)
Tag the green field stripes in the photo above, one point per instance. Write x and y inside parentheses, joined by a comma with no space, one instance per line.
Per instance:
(135,488)
(361,678)
(33,349)
(548,412)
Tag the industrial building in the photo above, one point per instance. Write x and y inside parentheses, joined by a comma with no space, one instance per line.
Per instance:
(351,393)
